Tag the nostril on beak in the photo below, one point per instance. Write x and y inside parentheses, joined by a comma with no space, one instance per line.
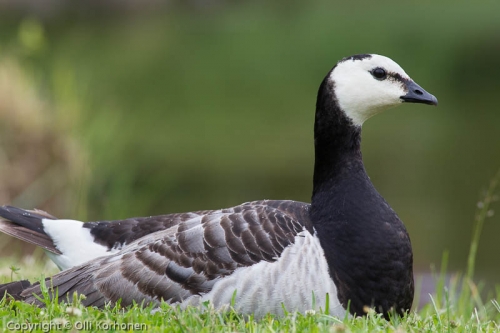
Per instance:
(418,92)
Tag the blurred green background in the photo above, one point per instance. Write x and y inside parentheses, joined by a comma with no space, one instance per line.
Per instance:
(116,109)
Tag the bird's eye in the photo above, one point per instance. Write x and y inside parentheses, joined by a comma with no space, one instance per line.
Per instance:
(379,73)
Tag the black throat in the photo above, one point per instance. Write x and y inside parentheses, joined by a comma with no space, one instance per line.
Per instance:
(337,141)
(366,245)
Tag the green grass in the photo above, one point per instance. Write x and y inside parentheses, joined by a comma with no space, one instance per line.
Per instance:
(456,307)
(172,319)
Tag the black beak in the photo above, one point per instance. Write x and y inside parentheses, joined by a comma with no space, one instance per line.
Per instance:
(418,95)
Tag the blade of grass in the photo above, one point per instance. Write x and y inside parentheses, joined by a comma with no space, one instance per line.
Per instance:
(481,215)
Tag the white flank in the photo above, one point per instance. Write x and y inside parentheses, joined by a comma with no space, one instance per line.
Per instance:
(75,242)
(291,281)
(362,96)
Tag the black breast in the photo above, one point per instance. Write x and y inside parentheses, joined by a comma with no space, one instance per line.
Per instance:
(366,245)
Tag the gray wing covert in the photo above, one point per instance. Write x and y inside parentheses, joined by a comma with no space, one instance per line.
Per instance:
(186,259)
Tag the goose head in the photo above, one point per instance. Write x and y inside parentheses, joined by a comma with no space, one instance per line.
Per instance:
(365,85)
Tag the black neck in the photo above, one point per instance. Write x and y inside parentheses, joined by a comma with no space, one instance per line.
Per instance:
(337,141)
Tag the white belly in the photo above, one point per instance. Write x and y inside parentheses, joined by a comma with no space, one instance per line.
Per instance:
(299,280)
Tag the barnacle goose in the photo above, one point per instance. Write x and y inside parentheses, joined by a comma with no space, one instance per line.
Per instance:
(348,243)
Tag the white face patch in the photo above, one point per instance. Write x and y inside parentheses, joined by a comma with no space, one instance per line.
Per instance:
(359,94)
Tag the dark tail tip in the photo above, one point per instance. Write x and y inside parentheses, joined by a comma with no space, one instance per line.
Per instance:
(28,219)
